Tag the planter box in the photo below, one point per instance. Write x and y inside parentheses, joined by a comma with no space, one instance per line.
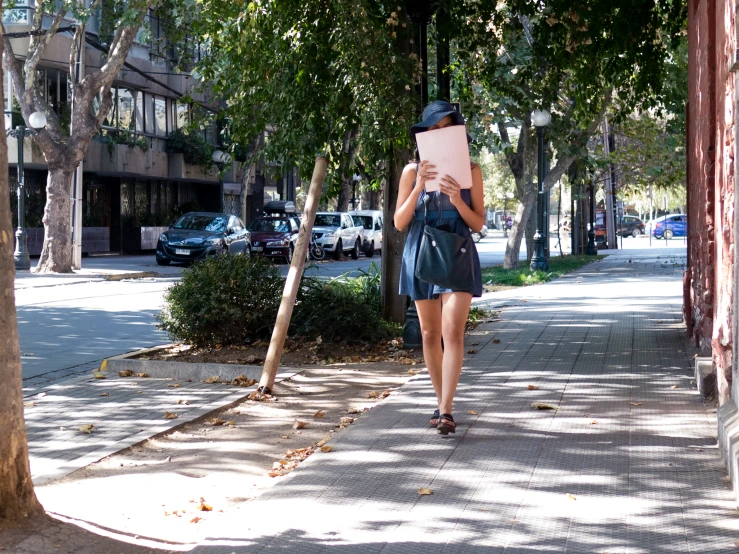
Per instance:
(126,160)
(136,239)
(180,170)
(94,239)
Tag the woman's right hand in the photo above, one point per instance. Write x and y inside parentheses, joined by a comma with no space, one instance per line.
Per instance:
(425,173)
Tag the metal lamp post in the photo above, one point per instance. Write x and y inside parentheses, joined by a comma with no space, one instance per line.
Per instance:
(591,250)
(220,158)
(508,196)
(541,119)
(21,257)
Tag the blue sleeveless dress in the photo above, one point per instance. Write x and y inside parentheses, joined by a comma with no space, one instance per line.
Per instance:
(409,284)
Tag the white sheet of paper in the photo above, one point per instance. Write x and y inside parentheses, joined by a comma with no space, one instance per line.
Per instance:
(446,149)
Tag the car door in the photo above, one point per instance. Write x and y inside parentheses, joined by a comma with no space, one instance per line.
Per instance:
(378,232)
(242,235)
(346,230)
(680,229)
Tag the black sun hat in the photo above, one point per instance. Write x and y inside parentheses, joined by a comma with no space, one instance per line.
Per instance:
(435,112)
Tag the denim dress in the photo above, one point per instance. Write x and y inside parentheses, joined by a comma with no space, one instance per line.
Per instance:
(409,284)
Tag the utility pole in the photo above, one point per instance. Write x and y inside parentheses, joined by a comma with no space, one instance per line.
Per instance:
(78,177)
(610,219)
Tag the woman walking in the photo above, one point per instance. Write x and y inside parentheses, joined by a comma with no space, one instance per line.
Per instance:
(442,312)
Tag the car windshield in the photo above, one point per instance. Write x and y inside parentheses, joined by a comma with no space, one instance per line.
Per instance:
(363,220)
(327,220)
(270,225)
(214,224)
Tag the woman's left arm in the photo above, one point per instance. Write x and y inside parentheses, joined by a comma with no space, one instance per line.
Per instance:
(474,214)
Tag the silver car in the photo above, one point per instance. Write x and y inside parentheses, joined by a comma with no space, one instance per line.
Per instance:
(337,234)
(371,221)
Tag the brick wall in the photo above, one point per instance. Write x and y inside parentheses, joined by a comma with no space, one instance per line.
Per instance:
(710,141)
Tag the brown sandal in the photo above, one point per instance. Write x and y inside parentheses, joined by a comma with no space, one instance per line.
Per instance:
(446,425)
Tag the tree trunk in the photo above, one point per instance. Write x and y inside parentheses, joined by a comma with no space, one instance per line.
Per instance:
(515,236)
(17,498)
(345,195)
(56,253)
(530,232)
(393,242)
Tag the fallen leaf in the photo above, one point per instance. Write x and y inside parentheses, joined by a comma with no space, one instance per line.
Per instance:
(243,381)
(87,428)
(284,436)
(533,387)
(496,341)
(174,385)
(425,492)
(472,351)
(211,380)
(139,392)
(323,441)
(104,394)
(636,403)
(543,406)
(297,424)
(674,386)
(386,393)
(99,375)
(659,321)
(320,413)
(373,394)
(203,507)
(474,343)
(230,423)
(346,420)
(472,412)
(125,373)
(170,415)
(183,401)
(594,422)
(414,371)
(215,421)
(571,496)
(29,404)
(195,519)
(327,448)
(355,411)
(142,375)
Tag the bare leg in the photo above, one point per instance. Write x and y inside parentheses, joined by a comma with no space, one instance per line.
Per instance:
(455,308)
(429,316)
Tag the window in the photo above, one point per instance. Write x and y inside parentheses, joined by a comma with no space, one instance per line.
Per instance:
(126,109)
(183,115)
(160,115)
(149,114)
(294,227)
(378,224)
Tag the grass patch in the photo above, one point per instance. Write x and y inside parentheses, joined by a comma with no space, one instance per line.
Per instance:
(523,276)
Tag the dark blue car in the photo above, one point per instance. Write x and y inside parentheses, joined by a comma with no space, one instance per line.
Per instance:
(669,226)
(199,234)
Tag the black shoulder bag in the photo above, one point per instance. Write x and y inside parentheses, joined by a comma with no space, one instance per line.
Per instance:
(445,259)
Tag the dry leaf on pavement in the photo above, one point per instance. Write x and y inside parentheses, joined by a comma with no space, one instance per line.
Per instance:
(320,413)
(243,381)
(170,415)
(323,441)
(327,448)
(211,380)
(174,385)
(472,351)
(533,387)
(203,507)
(297,424)
(571,496)
(636,403)
(594,422)
(284,436)
(183,401)
(355,411)
(373,394)
(87,428)
(346,420)
(544,406)
(125,373)
(425,492)
(414,371)
(496,341)
(675,386)
(230,423)
(215,421)
(104,394)
(142,375)
(99,375)
(29,404)
(195,519)
(472,412)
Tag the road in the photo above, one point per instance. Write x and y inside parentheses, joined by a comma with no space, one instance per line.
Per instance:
(68,324)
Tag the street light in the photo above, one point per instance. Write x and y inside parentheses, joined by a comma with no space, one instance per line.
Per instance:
(591,250)
(220,158)
(508,196)
(20,256)
(541,119)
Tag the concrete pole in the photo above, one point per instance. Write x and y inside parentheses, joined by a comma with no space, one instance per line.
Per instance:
(294,275)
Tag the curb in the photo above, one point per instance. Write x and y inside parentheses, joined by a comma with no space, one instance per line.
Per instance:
(133,275)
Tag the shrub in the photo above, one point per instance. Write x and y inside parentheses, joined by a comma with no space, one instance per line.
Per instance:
(345,308)
(223,300)
(192,145)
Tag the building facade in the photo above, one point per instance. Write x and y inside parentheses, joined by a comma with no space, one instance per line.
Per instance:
(136,174)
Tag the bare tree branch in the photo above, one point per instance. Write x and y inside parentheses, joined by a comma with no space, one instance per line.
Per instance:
(38,45)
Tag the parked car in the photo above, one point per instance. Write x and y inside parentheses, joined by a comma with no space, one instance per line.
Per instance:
(273,236)
(631,226)
(669,226)
(371,222)
(336,233)
(197,235)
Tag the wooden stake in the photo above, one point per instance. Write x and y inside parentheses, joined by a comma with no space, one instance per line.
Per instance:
(293,278)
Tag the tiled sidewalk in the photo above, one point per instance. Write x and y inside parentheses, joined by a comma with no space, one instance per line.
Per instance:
(627,464)
(132,411)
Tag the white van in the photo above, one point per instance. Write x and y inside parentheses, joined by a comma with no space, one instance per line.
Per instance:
(371,220)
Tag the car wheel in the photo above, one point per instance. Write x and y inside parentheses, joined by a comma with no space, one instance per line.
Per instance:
(635,233)
(355,251)
(668,234)
(339,250)
(371,251)
(161,261)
